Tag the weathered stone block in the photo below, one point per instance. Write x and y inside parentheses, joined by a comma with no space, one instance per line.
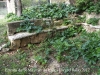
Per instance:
(25,41)
(38,22)
(58,22)
(39,37)
(42,36)
(90,28)
(47,23)
(12,26)
(34,38)
(15,44)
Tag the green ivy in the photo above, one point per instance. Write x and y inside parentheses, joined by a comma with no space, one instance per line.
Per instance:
(27,26)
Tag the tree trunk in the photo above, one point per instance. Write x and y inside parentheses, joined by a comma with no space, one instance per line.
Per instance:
(95,1)
(19,7)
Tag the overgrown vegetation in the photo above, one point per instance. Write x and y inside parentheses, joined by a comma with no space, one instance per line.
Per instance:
(63,47)
(3,31)
(93,21)
(13,64)
(88,5)
(27,26)
(67,46)
(55,11)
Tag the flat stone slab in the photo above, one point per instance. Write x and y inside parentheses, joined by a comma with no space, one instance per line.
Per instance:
(27,34)
(90,27)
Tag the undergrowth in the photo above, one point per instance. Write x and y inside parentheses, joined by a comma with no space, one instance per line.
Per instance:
(70,45)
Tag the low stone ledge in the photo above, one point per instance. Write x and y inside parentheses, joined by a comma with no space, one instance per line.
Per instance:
(89,27)
(23,38)
(27,34)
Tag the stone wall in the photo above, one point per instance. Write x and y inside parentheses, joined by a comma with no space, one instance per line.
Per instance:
(21,39)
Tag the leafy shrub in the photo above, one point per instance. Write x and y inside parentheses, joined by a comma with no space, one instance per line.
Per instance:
(56,11)
(82,4)
(94,7)
(67,21)
(65,47)
(29,13)
(41,60)
(13,17)
(10,15)
(90,49)
(93,21)
(80,19)
(88,5)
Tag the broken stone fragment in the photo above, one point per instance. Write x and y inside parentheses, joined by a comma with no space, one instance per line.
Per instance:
(15,44)
(5,49)
(1,47)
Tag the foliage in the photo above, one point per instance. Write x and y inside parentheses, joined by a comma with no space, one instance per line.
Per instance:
(82,4)
(13,17)
(41,60)
(59,44)
(71,32)
(94,7)
(3,37)
(13,64)
(80,19)
(98,72)
(93,21)
(88,5)
(9,15)
(66,47)
(91,48)
(67,21)
(57,11)
(28,27)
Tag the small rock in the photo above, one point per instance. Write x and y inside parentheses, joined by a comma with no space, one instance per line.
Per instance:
(3,45)
(5,49)
(0,48)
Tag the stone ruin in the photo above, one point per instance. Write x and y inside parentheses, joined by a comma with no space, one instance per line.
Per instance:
(21,39)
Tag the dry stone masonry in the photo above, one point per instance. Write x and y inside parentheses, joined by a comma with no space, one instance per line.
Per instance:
(21,39)
(50,27)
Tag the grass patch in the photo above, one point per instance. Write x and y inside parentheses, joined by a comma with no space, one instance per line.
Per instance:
(10,63)
(3,31)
